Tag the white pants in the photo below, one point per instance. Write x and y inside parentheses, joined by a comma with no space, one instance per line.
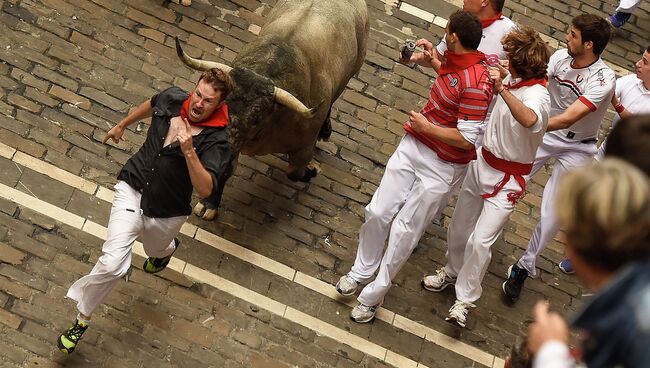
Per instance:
(627,6)
(475,226)
(567,156)
(415,188)
(125,224)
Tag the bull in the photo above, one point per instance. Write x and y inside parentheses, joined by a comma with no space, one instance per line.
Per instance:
(304,56)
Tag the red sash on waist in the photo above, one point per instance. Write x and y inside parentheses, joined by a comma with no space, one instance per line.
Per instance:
(510,168)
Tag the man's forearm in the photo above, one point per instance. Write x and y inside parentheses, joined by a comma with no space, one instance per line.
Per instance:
(422,61)
(523,114)
(451,136)
(557,123)
(143,111)
(200,177)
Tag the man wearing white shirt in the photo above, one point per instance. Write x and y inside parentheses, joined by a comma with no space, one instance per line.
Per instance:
(497,178)
(580,87)
(632,95)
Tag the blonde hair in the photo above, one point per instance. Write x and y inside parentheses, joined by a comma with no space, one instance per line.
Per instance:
(605,212)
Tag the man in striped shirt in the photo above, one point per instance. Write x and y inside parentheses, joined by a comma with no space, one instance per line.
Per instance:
(428,163)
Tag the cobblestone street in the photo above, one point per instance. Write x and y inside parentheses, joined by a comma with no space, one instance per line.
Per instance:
(255,287)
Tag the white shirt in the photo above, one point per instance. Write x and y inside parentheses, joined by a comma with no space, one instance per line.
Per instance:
(593,85)
(505,137)
(553,354)
(490,42)
(633,95)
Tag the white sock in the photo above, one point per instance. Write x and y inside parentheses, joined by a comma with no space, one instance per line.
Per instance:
(84,321)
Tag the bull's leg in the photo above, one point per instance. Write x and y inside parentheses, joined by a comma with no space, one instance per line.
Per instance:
(298,169)
(326,129)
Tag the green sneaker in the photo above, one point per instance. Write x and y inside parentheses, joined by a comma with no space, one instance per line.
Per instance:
(155,265)
(69,339)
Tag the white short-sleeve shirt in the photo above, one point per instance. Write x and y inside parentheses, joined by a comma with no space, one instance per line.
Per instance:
(633,95)
(490,42)
(593,85)
(505,137)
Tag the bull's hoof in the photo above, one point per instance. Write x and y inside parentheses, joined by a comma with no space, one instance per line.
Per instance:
(309,173)
(210,214)
(205,212)
(199,209)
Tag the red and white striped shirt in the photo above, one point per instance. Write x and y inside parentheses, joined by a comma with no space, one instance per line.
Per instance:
(459,97)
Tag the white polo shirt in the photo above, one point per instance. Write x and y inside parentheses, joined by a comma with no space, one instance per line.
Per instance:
(633,95)
(509,140)
(593,85)
(490,42)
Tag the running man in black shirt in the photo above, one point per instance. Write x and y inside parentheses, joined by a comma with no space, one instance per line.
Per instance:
(186,148)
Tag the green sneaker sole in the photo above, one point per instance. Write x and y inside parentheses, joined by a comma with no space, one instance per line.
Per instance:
(149,267)
(63,348)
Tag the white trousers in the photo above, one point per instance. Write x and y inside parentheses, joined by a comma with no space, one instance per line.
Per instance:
(125,224)
(627,6)
(567,156)
(415,188)
(475,225)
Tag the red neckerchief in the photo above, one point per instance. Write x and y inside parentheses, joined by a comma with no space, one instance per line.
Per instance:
(486,22)
(455,62)
(528,82)
(218,119)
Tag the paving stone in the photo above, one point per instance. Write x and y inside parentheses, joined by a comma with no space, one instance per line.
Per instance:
(10,255)
(9,319)
(193,332)
(70,97)
(103,98)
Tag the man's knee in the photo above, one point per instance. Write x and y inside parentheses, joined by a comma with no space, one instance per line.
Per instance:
(113,266)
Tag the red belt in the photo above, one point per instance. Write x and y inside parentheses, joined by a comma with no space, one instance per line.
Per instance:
(510,168)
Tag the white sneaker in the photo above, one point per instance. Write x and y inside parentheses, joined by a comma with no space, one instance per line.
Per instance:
(347,285)
(439,281)
(458,313)
(363,313)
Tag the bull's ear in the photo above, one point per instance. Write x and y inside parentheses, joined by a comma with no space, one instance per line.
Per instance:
(197,63)
(287,99)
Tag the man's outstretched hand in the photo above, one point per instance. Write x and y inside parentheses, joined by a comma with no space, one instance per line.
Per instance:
(115,134)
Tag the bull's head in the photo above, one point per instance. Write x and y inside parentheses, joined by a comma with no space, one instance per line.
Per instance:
(278,94)
(251,105)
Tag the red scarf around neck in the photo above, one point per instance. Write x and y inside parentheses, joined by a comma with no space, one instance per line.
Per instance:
(486,22)
(528,82)
(455,62)
(218,119)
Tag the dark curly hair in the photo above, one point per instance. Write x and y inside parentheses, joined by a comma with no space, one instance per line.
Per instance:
(527,52)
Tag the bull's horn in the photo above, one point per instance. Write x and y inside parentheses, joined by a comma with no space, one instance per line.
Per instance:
(287,99)
(197,63)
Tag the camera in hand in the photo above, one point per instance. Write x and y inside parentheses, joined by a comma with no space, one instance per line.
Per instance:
(407,50)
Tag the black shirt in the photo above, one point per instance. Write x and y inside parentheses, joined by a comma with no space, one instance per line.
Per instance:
(161,174)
